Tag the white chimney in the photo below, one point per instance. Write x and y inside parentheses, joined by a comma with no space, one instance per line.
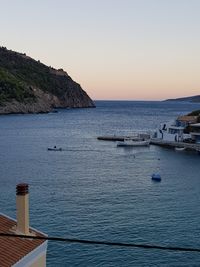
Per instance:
(22,202)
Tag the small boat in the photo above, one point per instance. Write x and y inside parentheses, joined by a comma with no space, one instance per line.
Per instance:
(54,148)
(132,142)
(156,177)
(179,148)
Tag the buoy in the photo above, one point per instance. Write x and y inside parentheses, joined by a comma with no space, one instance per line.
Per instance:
(156,177)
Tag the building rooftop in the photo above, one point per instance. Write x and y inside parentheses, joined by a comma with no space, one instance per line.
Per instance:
(187,118)
(176,127)
(195,125)
(13,249)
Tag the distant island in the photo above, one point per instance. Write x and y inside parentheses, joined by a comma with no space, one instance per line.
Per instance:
(29,86)
(194,99)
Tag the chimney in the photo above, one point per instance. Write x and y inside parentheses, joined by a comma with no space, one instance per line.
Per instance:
(22,202)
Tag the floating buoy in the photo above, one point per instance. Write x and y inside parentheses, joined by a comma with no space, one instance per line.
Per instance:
(156,177)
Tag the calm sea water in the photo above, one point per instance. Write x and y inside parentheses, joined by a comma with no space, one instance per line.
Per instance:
(95,190)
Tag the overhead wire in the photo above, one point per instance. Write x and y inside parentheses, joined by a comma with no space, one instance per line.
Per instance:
(106,243)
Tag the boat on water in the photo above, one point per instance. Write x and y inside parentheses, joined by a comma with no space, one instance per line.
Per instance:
(156,177)
(179,148)
(54,148)
(133,142)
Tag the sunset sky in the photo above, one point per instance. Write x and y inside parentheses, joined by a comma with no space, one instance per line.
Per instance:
(116,49)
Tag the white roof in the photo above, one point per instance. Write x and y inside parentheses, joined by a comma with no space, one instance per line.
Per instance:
(192,133)
(195,124)
(176,127)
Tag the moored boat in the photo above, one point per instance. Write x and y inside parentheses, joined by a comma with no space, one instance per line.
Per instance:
(179,148)
(156,177)
(54,148)
(132,142)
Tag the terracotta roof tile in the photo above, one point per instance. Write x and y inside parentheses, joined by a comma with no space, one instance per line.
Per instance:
(187,118)
(14,249)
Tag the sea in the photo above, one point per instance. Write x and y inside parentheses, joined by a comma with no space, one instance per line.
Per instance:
(97,191)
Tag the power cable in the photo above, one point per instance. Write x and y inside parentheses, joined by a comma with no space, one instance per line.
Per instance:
(107,243)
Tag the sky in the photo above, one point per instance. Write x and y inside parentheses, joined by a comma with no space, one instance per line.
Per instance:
(115,49)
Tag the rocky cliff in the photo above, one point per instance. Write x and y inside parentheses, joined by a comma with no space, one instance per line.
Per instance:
(28,86)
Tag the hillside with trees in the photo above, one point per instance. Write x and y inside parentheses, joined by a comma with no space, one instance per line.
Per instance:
(28,86)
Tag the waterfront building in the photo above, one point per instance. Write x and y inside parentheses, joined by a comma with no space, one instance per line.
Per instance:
(175,130)
(169,131)
(186,120)
(195,132)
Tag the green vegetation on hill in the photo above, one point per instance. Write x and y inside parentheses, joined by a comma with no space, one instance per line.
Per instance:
(21,71)
(23,78)
(12,87)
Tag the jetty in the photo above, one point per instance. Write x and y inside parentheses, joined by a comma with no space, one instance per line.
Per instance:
(154,141)
(144,136)
(112,138)
(173,144)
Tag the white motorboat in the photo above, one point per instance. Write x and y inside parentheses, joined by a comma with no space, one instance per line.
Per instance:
(132,142)
(179,148)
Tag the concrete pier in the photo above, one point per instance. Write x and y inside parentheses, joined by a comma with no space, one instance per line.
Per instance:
(187,146)
(122,137)
(112,138)
(158,142)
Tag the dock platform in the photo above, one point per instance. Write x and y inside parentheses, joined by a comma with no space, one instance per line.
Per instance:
(122,137)
(112,138)
(158,142)
(187,146)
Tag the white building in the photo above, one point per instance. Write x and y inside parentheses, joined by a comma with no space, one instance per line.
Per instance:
(195,132)
(170,131)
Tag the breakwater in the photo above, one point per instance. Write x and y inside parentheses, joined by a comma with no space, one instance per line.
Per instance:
(171,144)
(158,142)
